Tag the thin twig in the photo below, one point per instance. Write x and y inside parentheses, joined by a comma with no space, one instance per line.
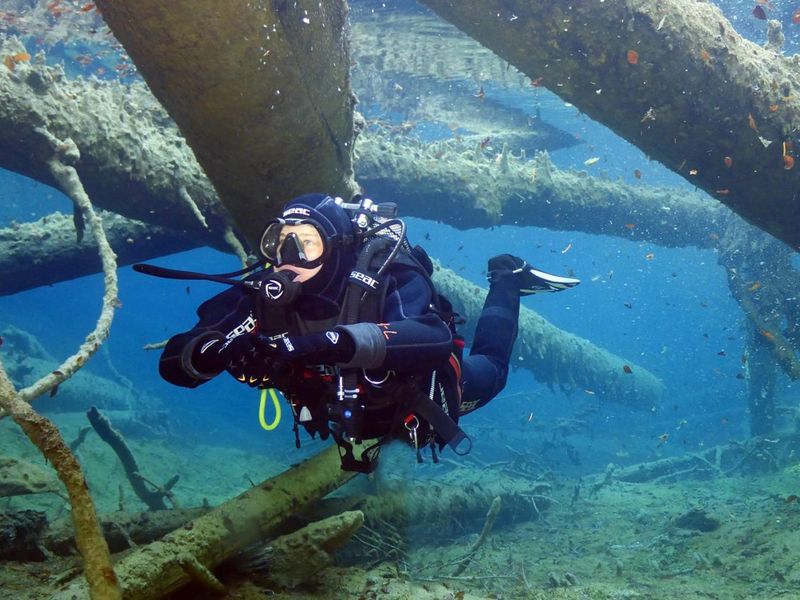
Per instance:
(494,509)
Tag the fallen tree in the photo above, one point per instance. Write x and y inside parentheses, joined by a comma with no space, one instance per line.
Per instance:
(467,187)
(556,358)
(755,455)
(126,142)
(45,252)
(672,77)
(274,96)
(193,550)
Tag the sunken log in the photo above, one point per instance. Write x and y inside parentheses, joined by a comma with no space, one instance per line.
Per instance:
(425,185)
(45,251)
(467,187)
(755,455)
(156,570)
(28,535)
(450,502)
(555,357)
(133,160)
(261,91)
(672,77)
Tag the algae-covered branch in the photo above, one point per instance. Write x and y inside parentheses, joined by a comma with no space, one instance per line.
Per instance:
(670,76)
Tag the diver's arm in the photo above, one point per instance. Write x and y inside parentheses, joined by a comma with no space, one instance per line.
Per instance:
(411,335)
(402,345)
(195,356)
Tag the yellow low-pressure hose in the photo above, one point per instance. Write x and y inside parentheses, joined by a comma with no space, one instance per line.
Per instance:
(262,409)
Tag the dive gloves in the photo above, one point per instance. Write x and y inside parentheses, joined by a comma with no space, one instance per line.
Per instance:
(248,357)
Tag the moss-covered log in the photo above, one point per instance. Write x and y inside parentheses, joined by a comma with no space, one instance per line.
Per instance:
(466,187)
(133,160)
(755,455)
(557,358)
(45,251)
(155,570)
(672,77)
(261,90)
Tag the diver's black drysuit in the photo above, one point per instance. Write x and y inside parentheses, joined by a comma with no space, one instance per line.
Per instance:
(409,349)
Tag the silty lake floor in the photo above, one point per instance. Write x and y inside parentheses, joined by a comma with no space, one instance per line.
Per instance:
(621,542)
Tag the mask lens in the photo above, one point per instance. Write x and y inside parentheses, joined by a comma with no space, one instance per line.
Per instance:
(271,240)
(301,244)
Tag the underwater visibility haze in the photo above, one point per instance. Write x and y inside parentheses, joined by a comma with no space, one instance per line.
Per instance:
(647,441)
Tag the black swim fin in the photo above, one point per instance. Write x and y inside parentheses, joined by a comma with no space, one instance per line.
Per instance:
(530,279)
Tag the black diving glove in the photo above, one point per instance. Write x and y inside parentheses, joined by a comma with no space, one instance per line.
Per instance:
(325,347)
(208,355)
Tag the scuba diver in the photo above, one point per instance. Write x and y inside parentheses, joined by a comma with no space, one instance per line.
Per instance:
(346,322)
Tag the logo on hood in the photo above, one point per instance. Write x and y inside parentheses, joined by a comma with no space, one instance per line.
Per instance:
(297,211)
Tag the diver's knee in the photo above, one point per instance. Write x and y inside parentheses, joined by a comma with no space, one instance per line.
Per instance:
(501,379)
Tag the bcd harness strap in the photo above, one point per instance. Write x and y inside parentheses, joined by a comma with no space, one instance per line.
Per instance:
(363,302)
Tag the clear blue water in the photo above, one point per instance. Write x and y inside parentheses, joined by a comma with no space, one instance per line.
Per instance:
(672,315)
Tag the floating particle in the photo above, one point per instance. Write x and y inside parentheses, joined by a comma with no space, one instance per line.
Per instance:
(728,161)
(788,162)
(633,57)
(760,13)
(637,173)
(591,161)
(627,369)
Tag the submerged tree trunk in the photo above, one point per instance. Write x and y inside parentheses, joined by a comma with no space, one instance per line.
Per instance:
(465,188)
(45,252)
(260,90)
(160,568)
(557,358)
(670,76)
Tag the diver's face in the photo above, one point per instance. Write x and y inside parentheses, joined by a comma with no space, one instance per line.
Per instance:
(312,246)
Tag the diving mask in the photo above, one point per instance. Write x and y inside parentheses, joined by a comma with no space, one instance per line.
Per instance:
(302,244)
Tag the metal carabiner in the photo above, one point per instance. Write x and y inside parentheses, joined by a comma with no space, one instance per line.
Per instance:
(412,424)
